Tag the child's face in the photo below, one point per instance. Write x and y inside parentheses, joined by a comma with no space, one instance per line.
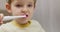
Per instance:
(21,7)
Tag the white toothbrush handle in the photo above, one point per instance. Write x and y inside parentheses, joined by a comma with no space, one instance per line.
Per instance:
(11,17)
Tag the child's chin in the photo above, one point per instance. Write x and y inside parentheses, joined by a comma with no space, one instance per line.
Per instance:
(23,20)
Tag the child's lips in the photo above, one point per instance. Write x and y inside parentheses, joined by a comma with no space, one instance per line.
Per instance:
(25,15)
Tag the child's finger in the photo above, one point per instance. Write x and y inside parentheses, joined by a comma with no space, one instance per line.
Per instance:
(1,17)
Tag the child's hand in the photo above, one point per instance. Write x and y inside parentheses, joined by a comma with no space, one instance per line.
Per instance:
(1,17)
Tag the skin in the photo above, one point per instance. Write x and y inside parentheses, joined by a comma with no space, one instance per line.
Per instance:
(1,17)
(21,7)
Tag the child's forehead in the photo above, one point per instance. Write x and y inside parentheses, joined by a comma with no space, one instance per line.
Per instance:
(22,1)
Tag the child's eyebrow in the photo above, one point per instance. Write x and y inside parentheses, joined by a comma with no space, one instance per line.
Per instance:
(30,2)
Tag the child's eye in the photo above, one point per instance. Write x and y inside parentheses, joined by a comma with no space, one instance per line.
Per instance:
(19,5)
(29,5)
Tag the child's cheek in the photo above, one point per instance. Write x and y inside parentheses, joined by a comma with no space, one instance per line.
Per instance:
(16,12)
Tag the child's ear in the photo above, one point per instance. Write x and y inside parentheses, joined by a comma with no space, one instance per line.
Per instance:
(8,8)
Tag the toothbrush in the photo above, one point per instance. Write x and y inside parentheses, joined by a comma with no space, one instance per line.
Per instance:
(6,18)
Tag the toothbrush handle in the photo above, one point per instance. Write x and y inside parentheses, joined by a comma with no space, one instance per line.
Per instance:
(11,17)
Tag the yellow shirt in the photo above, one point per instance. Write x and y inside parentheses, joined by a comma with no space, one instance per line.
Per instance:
(13,26)
(21,25)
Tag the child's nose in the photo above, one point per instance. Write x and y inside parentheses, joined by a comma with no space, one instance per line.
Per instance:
(25,10)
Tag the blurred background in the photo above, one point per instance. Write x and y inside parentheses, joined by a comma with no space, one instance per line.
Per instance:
(47,12)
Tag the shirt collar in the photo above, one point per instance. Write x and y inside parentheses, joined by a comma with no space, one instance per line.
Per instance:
(21,25)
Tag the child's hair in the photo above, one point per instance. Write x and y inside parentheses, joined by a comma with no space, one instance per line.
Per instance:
(9,2)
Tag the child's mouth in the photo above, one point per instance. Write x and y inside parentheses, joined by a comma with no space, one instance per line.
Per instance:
(26,16)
